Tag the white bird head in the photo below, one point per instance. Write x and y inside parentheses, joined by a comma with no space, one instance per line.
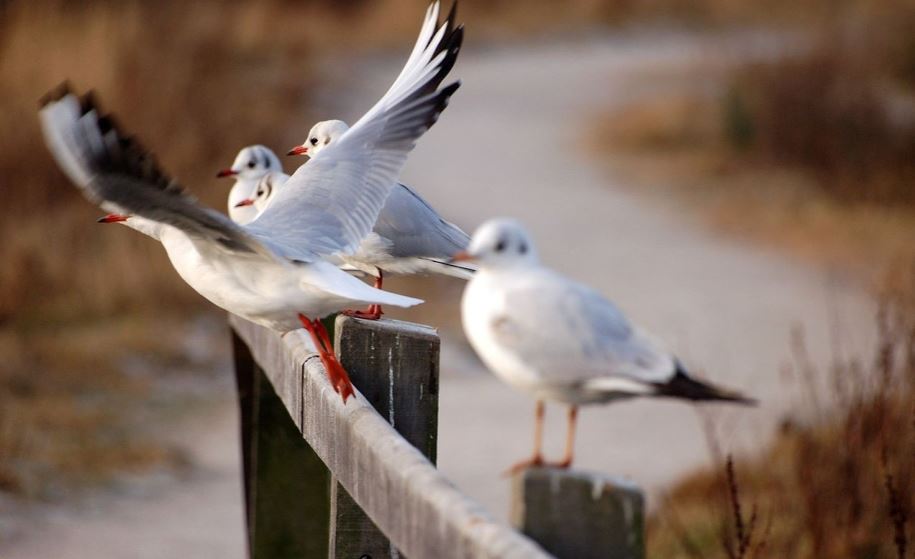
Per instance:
(499,242)
(261,194)
(319,137)
(252,163)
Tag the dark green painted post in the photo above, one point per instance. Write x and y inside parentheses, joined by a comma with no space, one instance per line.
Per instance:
(579,515)
(286,485)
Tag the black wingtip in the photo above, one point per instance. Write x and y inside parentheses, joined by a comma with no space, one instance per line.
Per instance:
(683,386)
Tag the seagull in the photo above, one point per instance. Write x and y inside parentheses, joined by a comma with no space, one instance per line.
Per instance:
(559,340)
(410,237)
(272,271)
(251,165)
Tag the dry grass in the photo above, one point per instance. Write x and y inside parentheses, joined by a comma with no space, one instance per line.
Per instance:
(813,152)
(838,482)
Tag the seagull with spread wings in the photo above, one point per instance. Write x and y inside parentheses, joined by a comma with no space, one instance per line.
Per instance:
(274,271)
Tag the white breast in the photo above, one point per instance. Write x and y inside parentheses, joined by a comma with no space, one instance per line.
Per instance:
(483,302)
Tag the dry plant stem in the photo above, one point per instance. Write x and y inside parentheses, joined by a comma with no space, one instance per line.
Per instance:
(897,510)
(743,530)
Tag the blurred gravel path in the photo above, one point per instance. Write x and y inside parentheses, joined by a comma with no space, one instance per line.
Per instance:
(510,144)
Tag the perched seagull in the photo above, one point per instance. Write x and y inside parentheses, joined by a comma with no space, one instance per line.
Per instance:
(251,165)
(560,340)
(410,237)
(272,271)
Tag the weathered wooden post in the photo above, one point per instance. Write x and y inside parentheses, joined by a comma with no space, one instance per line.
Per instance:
(579,515)
(286,485)
(395,366)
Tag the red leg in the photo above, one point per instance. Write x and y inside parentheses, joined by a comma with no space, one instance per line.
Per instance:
(570,439)
(373,312)
(335,371)
(537,458)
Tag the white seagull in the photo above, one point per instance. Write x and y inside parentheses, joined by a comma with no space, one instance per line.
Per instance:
(273,271)
(409,237)
(251,165)
(560,340)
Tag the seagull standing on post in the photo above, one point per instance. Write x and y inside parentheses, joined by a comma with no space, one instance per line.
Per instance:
(560,340)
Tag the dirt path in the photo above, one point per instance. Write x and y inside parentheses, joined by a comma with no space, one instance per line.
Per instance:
(510,145)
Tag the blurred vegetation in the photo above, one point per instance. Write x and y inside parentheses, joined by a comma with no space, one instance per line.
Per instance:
(811,148)
(837,482)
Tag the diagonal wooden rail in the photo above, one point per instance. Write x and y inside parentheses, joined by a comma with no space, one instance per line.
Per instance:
(399,489)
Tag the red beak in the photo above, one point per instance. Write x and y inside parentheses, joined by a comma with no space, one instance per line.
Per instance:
(298,150)
(113,218)
(245,202)
(226,173)
(462,256)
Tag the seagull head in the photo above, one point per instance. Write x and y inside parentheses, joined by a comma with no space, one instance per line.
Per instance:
(320,136)
(260,197)
(499,242)
(252,163)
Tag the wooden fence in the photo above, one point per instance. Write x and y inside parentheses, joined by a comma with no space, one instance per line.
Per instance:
(358,481)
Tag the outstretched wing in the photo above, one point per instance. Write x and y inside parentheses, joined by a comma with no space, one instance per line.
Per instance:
(330,204)
(115,172)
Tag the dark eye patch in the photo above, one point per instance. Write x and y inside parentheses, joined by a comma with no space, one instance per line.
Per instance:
(522,248)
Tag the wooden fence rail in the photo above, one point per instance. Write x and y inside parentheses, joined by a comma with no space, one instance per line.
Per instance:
(358,481)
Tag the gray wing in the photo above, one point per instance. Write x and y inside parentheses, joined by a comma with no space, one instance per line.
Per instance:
(416,229)
(113,171)
(572,334)
(329,205)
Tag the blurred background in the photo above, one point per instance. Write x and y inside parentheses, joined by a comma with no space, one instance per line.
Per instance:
(739,176)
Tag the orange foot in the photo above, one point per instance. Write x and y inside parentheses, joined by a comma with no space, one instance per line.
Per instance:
(373,312)
(335,371)
(535,461)
(337,375)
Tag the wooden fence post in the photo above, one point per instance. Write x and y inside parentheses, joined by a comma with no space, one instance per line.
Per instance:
(286,485)
(395,366)
(579,515)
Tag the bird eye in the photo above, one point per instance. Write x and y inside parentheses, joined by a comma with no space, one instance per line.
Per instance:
(500,246)
(260,192)
(251,164)
(314,141)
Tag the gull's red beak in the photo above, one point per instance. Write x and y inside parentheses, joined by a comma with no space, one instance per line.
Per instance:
(113,218)
(226,173)
(462,256)
(245,202)
(298,150)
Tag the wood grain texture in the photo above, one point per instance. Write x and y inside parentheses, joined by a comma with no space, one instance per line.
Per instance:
(395,366)
(416,507)
(579,515)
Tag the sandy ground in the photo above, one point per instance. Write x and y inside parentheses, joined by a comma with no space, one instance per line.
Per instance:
(511,144)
